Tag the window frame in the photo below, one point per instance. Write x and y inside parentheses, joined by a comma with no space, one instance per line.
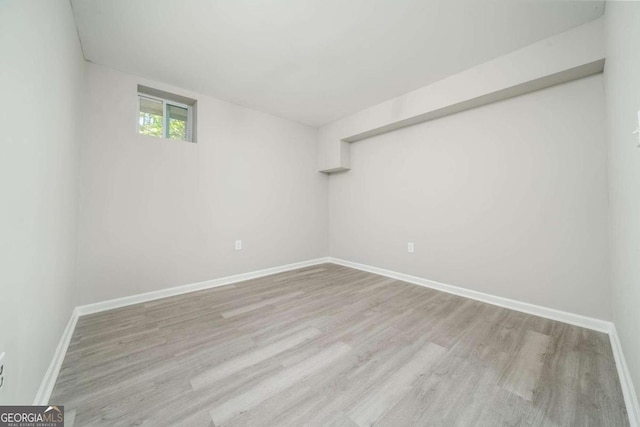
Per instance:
(165,117)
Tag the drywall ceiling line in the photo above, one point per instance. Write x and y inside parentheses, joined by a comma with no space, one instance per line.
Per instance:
(75,23)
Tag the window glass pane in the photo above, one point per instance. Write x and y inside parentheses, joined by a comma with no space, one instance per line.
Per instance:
(177,122)
(150,118)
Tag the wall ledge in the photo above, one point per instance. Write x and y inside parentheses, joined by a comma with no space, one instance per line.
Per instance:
(562,58)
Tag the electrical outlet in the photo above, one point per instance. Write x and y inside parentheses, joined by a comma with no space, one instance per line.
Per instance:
(238,245)
(1,369)
(637,131)
(410,248)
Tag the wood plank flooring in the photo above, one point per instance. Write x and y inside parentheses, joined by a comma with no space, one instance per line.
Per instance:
(332,346)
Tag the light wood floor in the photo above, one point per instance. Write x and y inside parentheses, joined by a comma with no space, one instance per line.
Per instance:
(332,346)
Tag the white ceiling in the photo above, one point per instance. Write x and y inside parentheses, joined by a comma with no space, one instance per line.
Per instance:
(312,61)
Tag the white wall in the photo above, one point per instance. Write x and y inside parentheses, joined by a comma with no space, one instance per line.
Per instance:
(508,199)
(622,84)
(41,68)
(156,213)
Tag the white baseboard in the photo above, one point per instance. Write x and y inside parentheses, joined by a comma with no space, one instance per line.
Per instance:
(537,310)
(50,377)
(179,290)
(630,396)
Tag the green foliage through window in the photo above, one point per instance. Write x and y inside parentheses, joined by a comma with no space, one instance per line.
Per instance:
(151,120)
(178,117)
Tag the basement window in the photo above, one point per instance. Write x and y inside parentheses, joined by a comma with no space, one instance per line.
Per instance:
(166,115)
